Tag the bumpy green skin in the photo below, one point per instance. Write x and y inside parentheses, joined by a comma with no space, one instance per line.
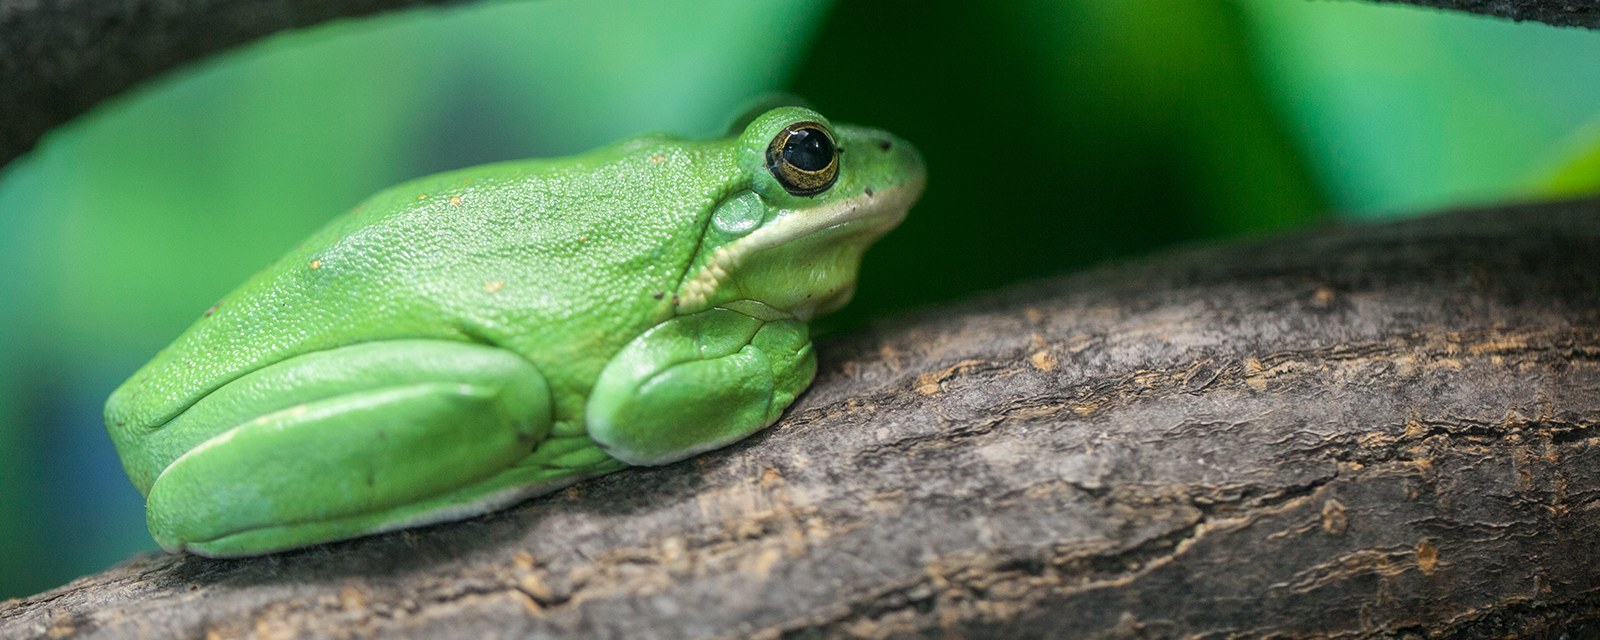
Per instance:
(472,338)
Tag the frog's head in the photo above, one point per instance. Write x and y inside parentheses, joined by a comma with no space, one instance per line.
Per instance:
(811,197)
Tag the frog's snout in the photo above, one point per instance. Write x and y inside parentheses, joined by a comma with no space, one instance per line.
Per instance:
(883,160)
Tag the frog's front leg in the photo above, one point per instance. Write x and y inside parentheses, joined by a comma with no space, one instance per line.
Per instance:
(698,382)
(346,442)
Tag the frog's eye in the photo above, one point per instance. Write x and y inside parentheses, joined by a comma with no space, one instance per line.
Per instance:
(804,159)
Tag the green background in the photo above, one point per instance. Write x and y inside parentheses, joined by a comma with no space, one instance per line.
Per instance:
(1059,134)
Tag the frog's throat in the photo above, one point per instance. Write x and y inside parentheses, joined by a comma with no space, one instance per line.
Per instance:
(881,210)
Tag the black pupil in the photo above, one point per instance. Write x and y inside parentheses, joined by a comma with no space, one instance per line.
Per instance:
(808,150)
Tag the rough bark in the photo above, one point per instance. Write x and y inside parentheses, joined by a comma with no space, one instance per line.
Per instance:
(59,58)
(1354,432)
(1562,13)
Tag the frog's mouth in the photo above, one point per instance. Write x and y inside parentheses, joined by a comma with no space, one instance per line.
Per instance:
(871,214)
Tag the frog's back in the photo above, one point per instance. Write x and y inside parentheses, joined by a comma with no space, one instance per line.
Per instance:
(558,260)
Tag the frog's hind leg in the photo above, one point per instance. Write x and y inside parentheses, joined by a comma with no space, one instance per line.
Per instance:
(352,441)
(530,477)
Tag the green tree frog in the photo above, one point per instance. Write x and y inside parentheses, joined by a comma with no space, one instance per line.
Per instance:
(467,340)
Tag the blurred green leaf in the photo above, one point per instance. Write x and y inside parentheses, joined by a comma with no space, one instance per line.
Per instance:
(1403,109)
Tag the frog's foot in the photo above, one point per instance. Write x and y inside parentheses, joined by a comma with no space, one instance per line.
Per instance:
(347,442)
(698,382)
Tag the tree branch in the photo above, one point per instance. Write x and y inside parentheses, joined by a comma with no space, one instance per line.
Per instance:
(1561,13)
(59,58)
(1361,431)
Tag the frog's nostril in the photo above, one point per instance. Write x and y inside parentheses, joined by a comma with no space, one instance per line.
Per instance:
(884,145)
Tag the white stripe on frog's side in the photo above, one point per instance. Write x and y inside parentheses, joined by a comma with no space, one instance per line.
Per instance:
(888,207)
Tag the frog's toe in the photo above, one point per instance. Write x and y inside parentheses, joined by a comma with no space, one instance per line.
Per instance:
(353,461)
